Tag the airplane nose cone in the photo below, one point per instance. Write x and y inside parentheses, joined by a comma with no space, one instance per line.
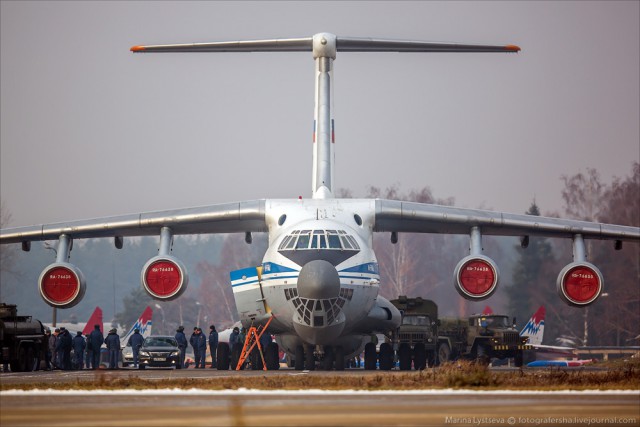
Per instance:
(318,279)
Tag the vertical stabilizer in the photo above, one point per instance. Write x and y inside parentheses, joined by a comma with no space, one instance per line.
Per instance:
(143,325)
(324,53)
(94,319)
(534,328)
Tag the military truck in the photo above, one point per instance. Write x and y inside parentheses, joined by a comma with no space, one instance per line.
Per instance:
(416,339)
(481,337)
(22,340)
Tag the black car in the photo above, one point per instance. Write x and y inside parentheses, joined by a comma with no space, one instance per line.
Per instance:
(159,351)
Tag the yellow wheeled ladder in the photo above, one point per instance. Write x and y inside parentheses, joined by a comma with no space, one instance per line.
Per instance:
(253,339)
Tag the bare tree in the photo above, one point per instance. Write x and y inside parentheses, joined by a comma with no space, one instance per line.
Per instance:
(8,266)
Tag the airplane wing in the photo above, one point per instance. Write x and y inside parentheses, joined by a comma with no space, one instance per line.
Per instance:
(476,276)
(411,217)
(223,218)
(164,277)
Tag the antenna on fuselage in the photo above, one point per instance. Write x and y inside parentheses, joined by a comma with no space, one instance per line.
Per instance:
(324,47)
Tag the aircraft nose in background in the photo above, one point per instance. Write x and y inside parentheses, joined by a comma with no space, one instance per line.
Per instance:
(318,279)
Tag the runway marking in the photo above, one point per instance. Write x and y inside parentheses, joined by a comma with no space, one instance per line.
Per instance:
(257,392)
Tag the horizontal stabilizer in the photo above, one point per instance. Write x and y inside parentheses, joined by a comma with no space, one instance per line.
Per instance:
(344,44)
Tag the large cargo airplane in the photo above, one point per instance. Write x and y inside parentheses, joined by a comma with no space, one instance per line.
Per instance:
(319,279)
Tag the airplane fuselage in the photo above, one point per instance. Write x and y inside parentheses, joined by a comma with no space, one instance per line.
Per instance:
(319,274)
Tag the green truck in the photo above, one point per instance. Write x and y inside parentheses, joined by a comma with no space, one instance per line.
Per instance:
(481,337)
(416,339)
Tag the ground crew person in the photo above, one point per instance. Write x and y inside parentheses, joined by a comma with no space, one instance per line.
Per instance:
(66,343)
(88,355)
(96,339)
(51,348)
(135,341)
(193,340)
(233,338)
(201,341)
(213,345)
(79,345)
(113,345)
(182,344)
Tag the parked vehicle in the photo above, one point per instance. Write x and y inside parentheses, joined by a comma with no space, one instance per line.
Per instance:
(159,351)
(481,337)
(22,340)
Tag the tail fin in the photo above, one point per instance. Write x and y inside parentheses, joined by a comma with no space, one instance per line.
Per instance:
(534,328)
(487,311)
(143,325)
(94,319)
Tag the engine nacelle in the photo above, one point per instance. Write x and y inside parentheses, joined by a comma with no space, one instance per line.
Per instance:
(164,277)
(579,284)
(62,285)
(476,277)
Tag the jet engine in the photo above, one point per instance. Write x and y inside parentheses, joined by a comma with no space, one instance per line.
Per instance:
(579,284)
(476,277)
(164,277)
(62,285)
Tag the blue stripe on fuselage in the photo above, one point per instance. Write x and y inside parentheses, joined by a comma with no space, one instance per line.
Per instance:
(250,275)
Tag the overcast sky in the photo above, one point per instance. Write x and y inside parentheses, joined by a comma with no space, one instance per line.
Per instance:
(89,129)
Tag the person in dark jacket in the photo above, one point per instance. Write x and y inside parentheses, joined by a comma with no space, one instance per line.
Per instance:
(193,340)
(213,345)
(182,343)
(201,342)
(88,355)
(233,338)
(52,348)
(79,345)
(135,341)
(96,339)
(58,354)
(66,344)
(48,356)
(265,340)
(113,345)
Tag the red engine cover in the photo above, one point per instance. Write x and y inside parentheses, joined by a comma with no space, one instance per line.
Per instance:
(164,278)
(476,277)
(579,284)
(62,285)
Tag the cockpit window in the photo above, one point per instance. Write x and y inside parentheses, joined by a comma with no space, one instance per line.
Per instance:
(303,241)
(334,241)
(319,239)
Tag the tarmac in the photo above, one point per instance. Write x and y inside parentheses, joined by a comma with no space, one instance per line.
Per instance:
(300,408)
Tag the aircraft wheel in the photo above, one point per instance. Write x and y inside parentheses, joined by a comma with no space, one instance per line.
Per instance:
(256,360)
(309,360)
(386,357)
(419,357)
(444,353)
(404,357)
(141,367)
(236,351)
(327,362)
(222,357)
(299,360)
(272,356)
(370,357)
(339,358)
